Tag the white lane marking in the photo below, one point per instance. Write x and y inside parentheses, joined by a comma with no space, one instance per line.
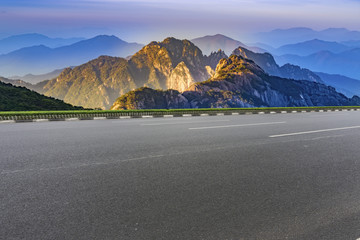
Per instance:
(240,125)
(7,121)
(315,131)
(174,123)
(40,120)
(100,118)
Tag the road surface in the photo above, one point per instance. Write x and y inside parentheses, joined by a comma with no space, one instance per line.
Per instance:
(272,176)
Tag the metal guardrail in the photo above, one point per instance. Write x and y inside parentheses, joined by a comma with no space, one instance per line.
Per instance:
(88,115)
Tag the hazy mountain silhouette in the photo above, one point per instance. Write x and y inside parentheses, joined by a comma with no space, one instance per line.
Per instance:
(41,59)
(310,47)
(16,42)
(279,37)
(346,63)
(213,43)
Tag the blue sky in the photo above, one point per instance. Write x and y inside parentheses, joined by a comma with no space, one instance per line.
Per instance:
(147,20)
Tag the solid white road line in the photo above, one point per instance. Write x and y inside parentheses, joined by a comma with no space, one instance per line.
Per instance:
(7,121)
(100,118)
(40,120)
(72,119)
(175,123)
(315,131)
(240,125)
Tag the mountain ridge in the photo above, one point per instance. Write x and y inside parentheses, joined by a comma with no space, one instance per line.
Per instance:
(238,82)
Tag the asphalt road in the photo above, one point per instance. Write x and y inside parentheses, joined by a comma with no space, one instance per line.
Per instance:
(273,176)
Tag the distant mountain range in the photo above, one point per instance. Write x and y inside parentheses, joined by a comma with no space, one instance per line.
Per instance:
(213,43)
(41,59)
(279,37)
(237,82)
(345,63)
(16,42)
(310,47)
(180,65)
(14,98)
(34,79)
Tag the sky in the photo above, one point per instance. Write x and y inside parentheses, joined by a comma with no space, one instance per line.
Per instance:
(146,20)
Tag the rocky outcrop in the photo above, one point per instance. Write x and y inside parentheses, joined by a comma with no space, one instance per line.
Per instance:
(213,59)
(267,62)
(147,98)
(170,64)
(239,82)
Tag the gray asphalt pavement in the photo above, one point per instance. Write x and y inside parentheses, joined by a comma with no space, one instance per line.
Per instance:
(274,176)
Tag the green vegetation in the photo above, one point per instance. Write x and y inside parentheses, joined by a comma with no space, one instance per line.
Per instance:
(21,99)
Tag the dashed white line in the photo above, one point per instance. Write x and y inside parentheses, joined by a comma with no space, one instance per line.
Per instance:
(7,121)
(240,125)
(72,119)
(175,123)
(100,118)
(40,120)
(315,131)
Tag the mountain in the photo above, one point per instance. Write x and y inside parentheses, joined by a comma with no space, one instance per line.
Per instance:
(345,63)
(38,87)
(347,86)
(40,59)
(267,62)
(352,44)
(21,99)
(310,47)
(212,43)
(16,42)
(170,64)
(238,82)
(34,79)
(279,37)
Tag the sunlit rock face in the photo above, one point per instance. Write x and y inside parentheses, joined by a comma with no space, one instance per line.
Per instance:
(238,82)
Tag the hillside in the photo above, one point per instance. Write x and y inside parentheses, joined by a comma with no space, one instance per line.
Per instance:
(170,64)
(238,82)
(21,99)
